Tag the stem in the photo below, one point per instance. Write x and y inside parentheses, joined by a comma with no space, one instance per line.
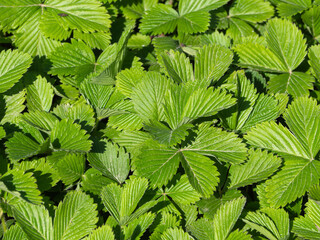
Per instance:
(3,221)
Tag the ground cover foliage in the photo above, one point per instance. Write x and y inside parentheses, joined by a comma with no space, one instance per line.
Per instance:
(153,119)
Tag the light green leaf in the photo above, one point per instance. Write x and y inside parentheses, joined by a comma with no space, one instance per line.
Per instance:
(252,11)
(68,136)
(99,40)
(305,228)
(302,117)
(100,233)
(137,227)
(83,15)
(202,174)
(159,19)
(75,217)
(214,142)
(211,62)
(259,166)
(71,167)
(239,235)
(297,84)
(286,41)
(21,146)
(188,6)
(148,96)
(112,161)
(287,8)
(128,79)
(30,39)
(158,163)
(11,106)
(13,65)
(178,66)
(20,186)
(75,58)
(226,217)
(174,234)
(79,112)
(138,41)
(312,19)
(38,225)
(292,181)
(314,56)
(39,95)
(14,232)
(193,22)
(182,191)
(41,120)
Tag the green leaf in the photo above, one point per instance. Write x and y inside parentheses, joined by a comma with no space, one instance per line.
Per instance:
(202,174)
(288,8)
(252,11)
(164,135)
(292,181)
(43,171)
(112,161)
(188,6)
(148,96)
(68,136)
(104,232)
(211,62)
(178,66)
(14,232)
(175,233)
(2,133)
(297,84)
(214,142)
(79,112)
(226,217)
(137,227)
(128,79)
(20,186)
(312,19)
(239,235)
(159,19)
(75,58)
(314,56)
(158,163)
(21,146)
(259,166)
(302,117)
(13,65)
(138,41)
(71,167)
(272,223)
(99,40)
(182,191)
(39,95)
(122,202)
(11,106)
(83,15)
(37,225)
(75,217)
(41,120)
(30,39)
(286,41)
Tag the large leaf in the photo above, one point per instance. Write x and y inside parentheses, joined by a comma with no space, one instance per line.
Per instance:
(37,225)
(288,8)
(75,217)
(111,160)
(13,65)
